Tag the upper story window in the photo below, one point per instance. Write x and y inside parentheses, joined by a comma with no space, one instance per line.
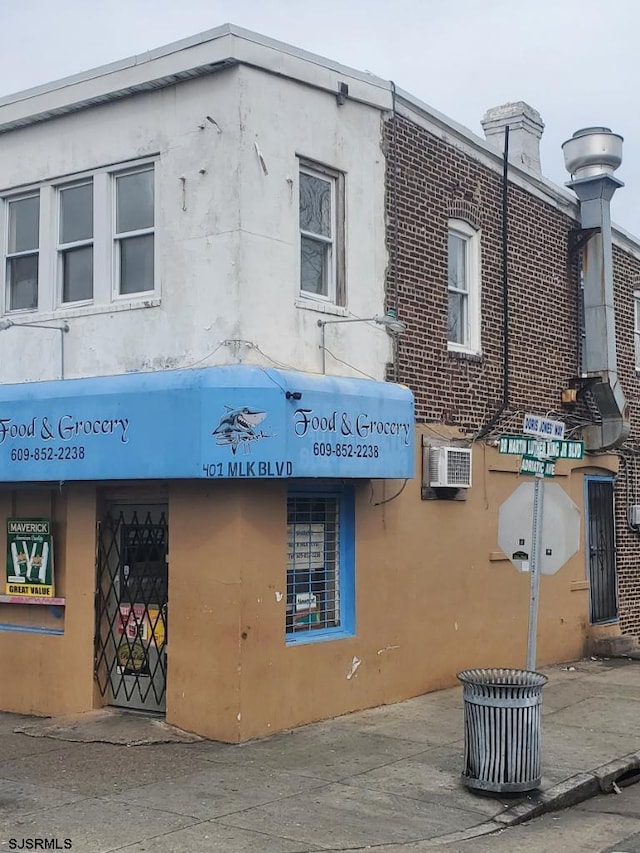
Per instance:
(636,327)
(463,285)
(90,241)
(321,207)
(75,246)
(23,240)
(134,231)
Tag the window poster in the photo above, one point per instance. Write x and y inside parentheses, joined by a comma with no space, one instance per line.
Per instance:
(29,558)
(305,555)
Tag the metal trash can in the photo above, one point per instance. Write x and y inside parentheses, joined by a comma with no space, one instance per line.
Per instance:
(502,710)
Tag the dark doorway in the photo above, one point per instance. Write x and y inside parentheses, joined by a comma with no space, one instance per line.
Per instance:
(601,549)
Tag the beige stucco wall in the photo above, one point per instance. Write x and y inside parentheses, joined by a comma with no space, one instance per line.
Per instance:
(434,596)
(44,673)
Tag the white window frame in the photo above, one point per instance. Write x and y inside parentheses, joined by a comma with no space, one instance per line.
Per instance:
(472,333)
(61,248)
(636,328)
(118,237)
(335,265)
(7,255)
(106,295)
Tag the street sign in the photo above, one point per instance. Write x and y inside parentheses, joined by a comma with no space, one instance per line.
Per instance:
(538,467)
(560,537)
(544,427)
(520,445)
(553,537)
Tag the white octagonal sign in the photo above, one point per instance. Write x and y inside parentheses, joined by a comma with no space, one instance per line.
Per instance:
(560,528)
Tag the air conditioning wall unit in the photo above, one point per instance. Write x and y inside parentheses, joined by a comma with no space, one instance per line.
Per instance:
(449,467)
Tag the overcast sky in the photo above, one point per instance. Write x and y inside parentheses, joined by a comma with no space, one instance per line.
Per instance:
(575,61)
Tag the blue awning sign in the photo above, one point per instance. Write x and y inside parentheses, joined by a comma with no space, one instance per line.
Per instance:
(219,422)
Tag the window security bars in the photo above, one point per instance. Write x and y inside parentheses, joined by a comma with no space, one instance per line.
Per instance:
(131,608)
(313,572)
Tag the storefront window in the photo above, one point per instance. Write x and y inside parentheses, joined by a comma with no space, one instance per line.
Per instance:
(320,565)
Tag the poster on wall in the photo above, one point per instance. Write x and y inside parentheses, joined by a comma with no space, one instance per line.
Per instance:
(305,555)
(29,558)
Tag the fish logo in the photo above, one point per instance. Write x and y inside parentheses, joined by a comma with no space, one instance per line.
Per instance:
(237,428)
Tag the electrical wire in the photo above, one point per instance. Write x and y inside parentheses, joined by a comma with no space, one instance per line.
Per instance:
(199,361)
(387,500)
(351,366)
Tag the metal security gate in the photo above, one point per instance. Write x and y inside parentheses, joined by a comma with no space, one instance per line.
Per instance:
(131,607)
(601,549)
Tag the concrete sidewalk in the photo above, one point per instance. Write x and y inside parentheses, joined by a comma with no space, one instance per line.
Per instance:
(388,776)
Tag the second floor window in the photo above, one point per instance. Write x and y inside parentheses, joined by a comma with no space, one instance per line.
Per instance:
(75,244)
(321,209)
(636,327)
(22,253)
(134,231)
(463,287)
(86,241)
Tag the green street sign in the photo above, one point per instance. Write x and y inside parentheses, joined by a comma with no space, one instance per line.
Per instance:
(520,445)
(537,467)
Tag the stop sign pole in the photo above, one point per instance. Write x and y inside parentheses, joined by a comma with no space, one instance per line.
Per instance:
(540,445)
(536,544)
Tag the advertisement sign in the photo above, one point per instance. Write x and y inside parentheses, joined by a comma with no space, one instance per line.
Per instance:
(29,558)
(140,628)
(142,623)
(225,422)
(305,554)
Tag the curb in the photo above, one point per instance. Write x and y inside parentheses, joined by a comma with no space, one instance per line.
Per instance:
(601,780)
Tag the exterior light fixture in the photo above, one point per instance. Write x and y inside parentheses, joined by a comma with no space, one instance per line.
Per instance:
(62,328)
(389,321)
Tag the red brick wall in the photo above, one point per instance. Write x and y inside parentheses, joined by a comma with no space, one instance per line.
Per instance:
(626,278)
(426,179)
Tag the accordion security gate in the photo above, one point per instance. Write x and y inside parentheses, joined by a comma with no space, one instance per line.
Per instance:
(131,607)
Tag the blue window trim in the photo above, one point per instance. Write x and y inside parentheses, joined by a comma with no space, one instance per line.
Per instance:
(31,629)
(347,576)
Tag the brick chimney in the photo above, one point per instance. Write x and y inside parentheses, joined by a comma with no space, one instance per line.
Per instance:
(525,132)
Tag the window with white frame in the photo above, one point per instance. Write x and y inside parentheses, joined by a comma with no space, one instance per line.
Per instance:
(636,327)
(75,242)
(134,231)
(463,285)
(321,209)
(320,569)
(87,240)
(22,256)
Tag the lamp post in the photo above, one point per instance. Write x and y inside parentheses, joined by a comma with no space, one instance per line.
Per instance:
(389,321)
(63,328)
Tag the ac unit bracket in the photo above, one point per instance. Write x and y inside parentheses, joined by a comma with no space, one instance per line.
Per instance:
(443,494)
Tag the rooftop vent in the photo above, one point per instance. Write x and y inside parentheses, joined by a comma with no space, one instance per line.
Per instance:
(591,156)
(592,151)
